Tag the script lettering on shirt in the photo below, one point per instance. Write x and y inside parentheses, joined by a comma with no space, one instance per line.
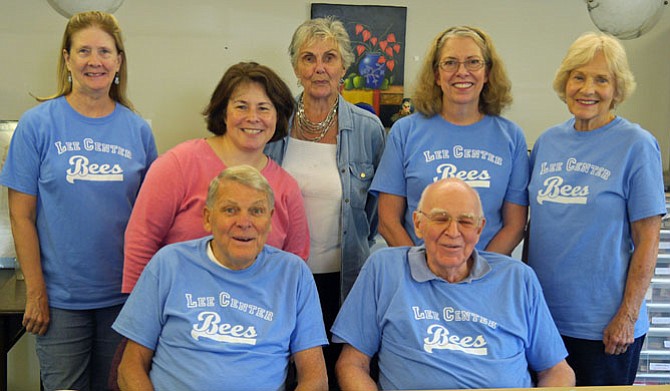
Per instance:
(82,170)
(210,327)
(557,192)
(474,178)
(439,338)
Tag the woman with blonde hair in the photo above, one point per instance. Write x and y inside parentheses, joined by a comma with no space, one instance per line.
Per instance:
(74,167)
(597,198)
(457,131)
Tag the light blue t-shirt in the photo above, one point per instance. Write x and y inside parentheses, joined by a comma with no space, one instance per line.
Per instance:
(490,155)
(85,173)
(585,190)
(213,328)
(483,332)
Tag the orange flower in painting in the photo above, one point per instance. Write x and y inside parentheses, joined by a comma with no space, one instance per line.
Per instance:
(368,43)
(360,49)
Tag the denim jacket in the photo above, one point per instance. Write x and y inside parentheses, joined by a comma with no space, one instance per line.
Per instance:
(360,143)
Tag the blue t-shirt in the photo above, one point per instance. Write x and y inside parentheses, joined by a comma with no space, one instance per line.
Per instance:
(490,155)
(483,332)
(85,173)
(213,328)
(585,190)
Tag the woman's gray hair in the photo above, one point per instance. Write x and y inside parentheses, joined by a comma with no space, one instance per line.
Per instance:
(583,50)
(244,175)
(322,28)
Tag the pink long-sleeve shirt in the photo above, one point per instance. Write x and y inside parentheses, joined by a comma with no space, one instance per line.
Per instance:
(169,207)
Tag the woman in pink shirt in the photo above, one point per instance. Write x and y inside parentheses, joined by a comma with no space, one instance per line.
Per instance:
(250,107)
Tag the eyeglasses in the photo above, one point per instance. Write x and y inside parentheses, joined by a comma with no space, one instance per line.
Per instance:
(443,219)
(471,64)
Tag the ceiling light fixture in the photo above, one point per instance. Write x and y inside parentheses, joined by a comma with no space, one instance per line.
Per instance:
(68,8)
(625,19)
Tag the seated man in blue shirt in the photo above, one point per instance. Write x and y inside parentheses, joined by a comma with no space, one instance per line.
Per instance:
(444,315)
(225,312)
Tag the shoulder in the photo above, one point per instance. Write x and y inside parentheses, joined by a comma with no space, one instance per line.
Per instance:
(283,263)
(178,256)
(504,265)
(44,110)
(508,127)
(633,132)
(190,150)
(415,122)
(130,114)
(561,128)
(388,260)
(557,131)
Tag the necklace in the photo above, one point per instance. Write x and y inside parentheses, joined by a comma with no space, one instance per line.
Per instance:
(314,131)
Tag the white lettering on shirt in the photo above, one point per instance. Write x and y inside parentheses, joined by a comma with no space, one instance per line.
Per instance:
(210,327)
(474,178)
(439,338)
(81,169)
(555,191)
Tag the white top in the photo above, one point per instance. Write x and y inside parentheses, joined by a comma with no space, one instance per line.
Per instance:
(314,167)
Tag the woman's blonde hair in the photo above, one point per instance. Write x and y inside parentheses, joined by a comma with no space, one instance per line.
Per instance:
(496,94)
(107,23)
(583,50)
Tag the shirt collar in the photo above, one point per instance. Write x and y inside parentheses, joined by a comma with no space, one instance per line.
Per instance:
(418,266)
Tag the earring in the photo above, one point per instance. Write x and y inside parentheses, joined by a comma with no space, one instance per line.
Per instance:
(69,77)
(116,79)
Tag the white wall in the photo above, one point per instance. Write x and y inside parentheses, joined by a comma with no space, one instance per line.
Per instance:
(178,49)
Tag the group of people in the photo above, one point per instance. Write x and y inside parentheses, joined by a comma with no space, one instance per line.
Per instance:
(245,253)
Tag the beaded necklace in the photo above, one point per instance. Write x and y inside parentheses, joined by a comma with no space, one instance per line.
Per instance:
(314,131)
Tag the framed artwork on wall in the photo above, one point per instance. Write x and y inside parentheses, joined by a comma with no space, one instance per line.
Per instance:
(377,35)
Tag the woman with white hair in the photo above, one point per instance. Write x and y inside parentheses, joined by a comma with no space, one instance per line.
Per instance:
(597,198)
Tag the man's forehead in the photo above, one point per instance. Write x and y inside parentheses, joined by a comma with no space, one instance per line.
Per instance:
(450,197)
(231,194)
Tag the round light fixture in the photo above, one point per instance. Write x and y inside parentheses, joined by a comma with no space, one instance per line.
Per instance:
(68,8)
(625,19)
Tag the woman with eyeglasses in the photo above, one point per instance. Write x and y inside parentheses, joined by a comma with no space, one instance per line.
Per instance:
(457,132)
(73,170)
